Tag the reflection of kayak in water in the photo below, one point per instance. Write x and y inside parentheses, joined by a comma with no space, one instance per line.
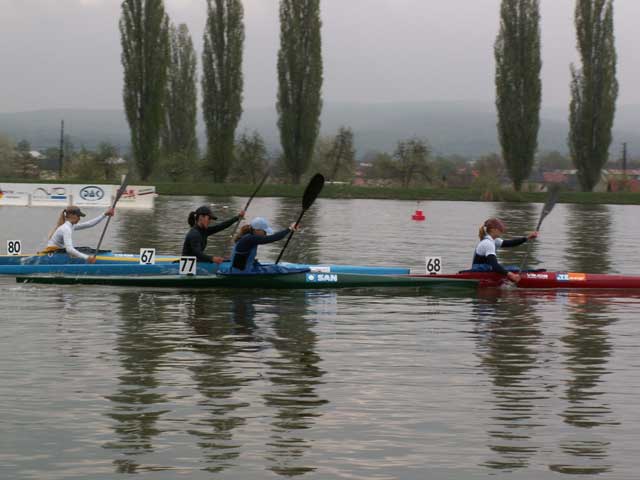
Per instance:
(550,280)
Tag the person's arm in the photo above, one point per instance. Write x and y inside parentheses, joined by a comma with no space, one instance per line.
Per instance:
(258,240)
(218,227)
(514,242)
(68,245)
(90,223)
(495,265)
(195,246)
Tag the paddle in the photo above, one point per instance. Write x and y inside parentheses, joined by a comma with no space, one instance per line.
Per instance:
(119,193)
(246,207)
(552,199)
(310,194)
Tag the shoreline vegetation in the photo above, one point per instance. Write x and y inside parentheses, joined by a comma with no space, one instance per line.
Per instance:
(345,191)
(336,191)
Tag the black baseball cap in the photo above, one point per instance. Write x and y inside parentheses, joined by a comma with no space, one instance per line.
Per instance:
(74,211)
(204,210)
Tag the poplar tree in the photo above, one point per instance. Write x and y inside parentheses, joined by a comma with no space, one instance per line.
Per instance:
(144,31)
(518,86)
(222,82)
(299,82)
(179,139)
(594,90)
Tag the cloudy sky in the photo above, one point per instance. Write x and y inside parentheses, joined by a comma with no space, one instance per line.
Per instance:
(66,53)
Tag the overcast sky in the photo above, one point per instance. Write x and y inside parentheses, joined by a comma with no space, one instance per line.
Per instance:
(66,53)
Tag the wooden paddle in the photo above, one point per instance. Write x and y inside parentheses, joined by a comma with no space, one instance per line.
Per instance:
(119,193)
(246,206)
(552,199)
(310,194)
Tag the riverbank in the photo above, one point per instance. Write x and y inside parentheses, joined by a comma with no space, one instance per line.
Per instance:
(396,193)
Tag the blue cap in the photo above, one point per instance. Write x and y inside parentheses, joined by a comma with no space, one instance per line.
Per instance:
(260,223)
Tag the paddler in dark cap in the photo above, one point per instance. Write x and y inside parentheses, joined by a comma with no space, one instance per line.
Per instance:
(195,241)
(61,237)
(485,256)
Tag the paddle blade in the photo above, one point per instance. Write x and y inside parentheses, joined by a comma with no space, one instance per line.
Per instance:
(552,199)
(310,194)
(312,191)
(121,190)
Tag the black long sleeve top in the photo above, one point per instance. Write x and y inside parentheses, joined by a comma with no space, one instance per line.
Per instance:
(195,241)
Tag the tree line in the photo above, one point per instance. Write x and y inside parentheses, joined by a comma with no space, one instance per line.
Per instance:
(160,93)
(594,88)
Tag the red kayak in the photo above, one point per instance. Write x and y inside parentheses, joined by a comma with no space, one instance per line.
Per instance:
(552,280)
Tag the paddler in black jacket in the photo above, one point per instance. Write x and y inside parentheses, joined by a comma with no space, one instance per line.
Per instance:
(196,239)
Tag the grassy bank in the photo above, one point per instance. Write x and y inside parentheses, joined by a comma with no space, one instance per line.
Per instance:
(395,193)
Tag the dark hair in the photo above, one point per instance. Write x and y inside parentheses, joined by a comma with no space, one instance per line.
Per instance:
(203,210)
(243,231)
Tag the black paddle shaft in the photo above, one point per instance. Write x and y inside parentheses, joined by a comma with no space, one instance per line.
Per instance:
(246,206)
(310,194)
(554,193)
(119,193)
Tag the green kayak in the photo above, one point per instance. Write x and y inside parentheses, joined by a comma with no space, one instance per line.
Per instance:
(298,280)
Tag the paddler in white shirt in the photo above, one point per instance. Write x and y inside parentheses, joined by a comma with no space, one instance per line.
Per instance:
(485,257)
(61,237)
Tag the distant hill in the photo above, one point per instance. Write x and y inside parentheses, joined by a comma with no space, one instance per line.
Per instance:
(464,128)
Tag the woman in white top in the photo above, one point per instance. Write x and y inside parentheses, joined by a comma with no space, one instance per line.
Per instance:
(62,233)
(485,252)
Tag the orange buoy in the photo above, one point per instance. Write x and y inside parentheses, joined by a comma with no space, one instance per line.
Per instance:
(418,216)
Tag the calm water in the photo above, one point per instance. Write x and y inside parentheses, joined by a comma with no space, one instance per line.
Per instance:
(99,382)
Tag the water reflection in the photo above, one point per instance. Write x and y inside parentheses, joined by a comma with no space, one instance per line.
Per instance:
(140,229)
(521,219)
(136,406)
(589,228)
(294,376)
(218,343)
(509,339)
(588,349)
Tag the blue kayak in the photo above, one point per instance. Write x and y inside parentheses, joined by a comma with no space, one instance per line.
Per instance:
(109,263)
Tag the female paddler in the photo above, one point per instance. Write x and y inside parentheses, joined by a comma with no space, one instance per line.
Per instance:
(196,239)
(258,232)
(61,237)
(485,257)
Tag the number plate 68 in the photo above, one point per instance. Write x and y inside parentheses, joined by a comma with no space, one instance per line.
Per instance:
(433,265)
